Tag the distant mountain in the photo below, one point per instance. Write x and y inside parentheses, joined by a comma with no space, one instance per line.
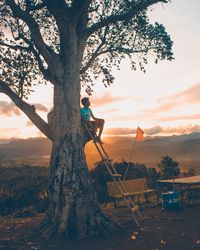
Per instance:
(183,148)
(5,140)
(32,151)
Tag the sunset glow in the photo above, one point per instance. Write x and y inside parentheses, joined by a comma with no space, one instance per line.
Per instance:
(164,101)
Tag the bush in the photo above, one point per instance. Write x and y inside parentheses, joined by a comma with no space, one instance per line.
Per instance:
(21,187)
(101,176)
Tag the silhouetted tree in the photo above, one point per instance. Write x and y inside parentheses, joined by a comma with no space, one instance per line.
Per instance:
(168,168)
(134,170)
(69,43)
(192,171)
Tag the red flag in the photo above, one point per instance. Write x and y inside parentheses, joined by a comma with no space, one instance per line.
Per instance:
(139,134)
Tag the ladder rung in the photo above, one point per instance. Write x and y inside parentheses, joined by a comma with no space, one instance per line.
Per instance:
(111,168)
(126,194)
(97,141)
(135,208)
(100,142)
(107,159)
(116,175)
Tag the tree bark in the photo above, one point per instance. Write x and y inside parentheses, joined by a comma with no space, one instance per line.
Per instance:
(73,210)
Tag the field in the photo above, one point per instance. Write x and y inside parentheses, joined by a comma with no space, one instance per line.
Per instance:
(23,202)
(160,229)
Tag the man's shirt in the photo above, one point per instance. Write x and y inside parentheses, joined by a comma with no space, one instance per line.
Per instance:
(86,113)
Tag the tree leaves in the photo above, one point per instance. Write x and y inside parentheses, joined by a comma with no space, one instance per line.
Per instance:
(134,38)
(168,167)
(121,29)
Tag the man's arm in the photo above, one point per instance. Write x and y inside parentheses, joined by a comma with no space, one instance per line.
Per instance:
(93,117)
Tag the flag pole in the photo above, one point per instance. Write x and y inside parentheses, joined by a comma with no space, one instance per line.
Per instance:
(130,157)
(138,136)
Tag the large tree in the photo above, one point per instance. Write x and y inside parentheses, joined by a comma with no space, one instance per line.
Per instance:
(69,43)
(168,168)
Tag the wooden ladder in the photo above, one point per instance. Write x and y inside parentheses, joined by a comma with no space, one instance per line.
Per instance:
(117,178)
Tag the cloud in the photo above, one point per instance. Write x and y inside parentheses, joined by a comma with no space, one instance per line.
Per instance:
(40,107)
(180,117)
(4,130)
(191,94)
(29,124)
(172,130)
(154,130)
(131,131)
(127,117)
(110,111)
(155,115)
(106,99)
(119,131)
(9,132)
(40,134)
(182,129)
(164,107)
(8,108)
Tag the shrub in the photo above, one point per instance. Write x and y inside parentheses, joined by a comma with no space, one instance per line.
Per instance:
(21,186)
(101,176)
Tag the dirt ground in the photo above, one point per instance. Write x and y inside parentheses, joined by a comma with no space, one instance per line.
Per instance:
(159,230)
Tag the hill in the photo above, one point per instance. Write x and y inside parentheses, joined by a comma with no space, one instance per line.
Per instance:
(34,151)
(182,148)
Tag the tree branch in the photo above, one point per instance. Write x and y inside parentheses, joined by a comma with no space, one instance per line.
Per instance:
(44,71)
(97,53)
(45,51)
(58,8)
(94,55)
(31,7)
(112,19)
(15,47)
(27,109)
(81,5)
(80,8)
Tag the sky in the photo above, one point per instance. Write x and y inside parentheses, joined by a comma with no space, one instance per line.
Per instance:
(163,101)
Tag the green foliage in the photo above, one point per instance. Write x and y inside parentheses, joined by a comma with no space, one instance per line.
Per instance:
(169,168)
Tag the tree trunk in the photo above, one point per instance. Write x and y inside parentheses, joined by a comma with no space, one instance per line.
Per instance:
(73,208)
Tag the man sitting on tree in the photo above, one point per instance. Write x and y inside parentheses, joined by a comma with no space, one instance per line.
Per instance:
(86,115)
